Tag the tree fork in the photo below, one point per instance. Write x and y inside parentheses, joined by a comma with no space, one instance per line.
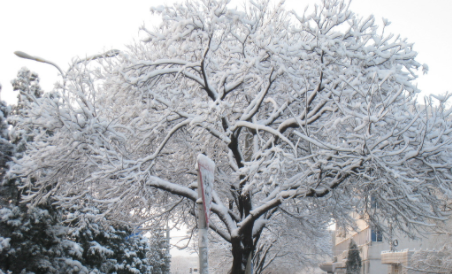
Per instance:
(242,250)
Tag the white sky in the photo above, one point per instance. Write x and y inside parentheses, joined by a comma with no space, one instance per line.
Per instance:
(61,30)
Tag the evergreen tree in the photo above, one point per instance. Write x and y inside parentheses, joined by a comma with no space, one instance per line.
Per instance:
(27,234)
(6,152)
(27,84)
(353,259)
(107,248)
(159,254)
(43,236)
(35,237)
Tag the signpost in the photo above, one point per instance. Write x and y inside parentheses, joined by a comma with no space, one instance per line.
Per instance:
(206,168)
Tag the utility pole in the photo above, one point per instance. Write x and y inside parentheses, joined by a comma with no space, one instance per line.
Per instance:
(203,241)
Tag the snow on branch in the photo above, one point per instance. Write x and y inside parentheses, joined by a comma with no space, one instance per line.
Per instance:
(291,108)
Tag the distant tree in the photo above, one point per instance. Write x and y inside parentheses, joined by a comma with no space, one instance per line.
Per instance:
(159,253)
(432,261)
(438,258)
(27,84)
(283,250)
(305,115)
(354,262)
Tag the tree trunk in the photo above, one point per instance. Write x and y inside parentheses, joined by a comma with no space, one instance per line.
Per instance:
(242,251)
(242,243)
(240,256)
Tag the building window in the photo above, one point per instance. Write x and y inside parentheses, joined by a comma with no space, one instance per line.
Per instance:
(373,202)
(376,235)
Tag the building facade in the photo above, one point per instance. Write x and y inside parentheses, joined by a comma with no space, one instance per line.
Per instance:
(378,256)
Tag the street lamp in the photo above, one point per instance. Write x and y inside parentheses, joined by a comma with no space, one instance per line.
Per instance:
(24,55)
(107,54)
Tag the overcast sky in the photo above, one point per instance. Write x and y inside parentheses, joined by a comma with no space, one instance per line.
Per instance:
(61,30)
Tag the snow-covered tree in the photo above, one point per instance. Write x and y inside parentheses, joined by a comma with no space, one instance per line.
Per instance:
(159,253)
(44,236)
(29,234)
(305,115)
(107,248)
(49,245)
(437,258)
(283,249)
(35,237)
(6,152)
(354,262)
(27,84)
(432,261)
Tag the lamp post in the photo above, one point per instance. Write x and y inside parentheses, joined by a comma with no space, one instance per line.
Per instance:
(24,55)
(107,54)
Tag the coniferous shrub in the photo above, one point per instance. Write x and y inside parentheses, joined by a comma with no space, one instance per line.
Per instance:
(353,259)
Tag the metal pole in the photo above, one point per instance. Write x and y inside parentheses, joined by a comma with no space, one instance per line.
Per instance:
(391,245)
(203,241)
(249,264)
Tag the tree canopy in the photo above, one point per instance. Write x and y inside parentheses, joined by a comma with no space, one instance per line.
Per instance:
(51,239)
(306,117)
